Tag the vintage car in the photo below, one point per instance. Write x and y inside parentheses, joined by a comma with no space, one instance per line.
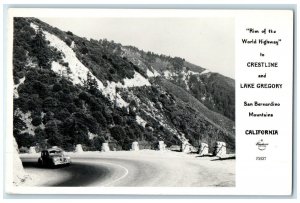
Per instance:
(53,157)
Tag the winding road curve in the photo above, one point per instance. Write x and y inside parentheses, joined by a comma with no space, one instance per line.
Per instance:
(130,169)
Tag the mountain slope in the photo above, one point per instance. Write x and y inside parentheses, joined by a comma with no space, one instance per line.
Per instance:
(70,90)
(214,90)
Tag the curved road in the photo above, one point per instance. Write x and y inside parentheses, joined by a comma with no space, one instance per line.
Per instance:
(130,169)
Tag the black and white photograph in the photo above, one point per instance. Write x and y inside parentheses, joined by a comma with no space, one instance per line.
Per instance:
(123,102)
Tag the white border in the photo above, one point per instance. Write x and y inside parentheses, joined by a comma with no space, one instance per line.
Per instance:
(115,190)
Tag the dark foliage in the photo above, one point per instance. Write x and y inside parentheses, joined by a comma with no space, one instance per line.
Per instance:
(218,91)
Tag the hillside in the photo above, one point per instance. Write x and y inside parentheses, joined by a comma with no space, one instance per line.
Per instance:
(70,90)
(214,90)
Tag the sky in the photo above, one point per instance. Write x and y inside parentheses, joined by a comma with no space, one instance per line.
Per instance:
(206,42)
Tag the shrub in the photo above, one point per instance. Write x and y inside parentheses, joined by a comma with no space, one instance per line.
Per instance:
(100,118)
(117,133)
(69,33)
(97,141)
(84,50)
(25,139)
(68,41)
(117,119)
(56,87)
(36,121)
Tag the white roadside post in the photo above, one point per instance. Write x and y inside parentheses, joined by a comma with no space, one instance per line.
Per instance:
(161,146)
(78,148)
(135,146)
(32,150)
(186,147)
(105,147)
(220,149)
(203,149)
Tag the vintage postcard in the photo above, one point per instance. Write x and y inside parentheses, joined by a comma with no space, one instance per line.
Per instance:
(104,101)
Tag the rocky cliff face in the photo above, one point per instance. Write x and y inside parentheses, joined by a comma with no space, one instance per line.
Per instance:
(70,90)
(19,175)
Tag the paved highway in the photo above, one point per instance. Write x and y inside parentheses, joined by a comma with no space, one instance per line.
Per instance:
(130,169)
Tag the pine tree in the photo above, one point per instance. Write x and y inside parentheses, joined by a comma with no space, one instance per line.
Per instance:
(40,49)
(91,83)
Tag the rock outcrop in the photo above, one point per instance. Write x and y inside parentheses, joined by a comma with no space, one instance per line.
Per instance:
(19,175)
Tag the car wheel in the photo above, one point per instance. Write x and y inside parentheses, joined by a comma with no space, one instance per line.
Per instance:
(40,163)
(52,165)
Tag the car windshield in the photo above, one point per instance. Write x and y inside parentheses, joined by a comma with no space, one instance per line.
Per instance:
(55,152)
